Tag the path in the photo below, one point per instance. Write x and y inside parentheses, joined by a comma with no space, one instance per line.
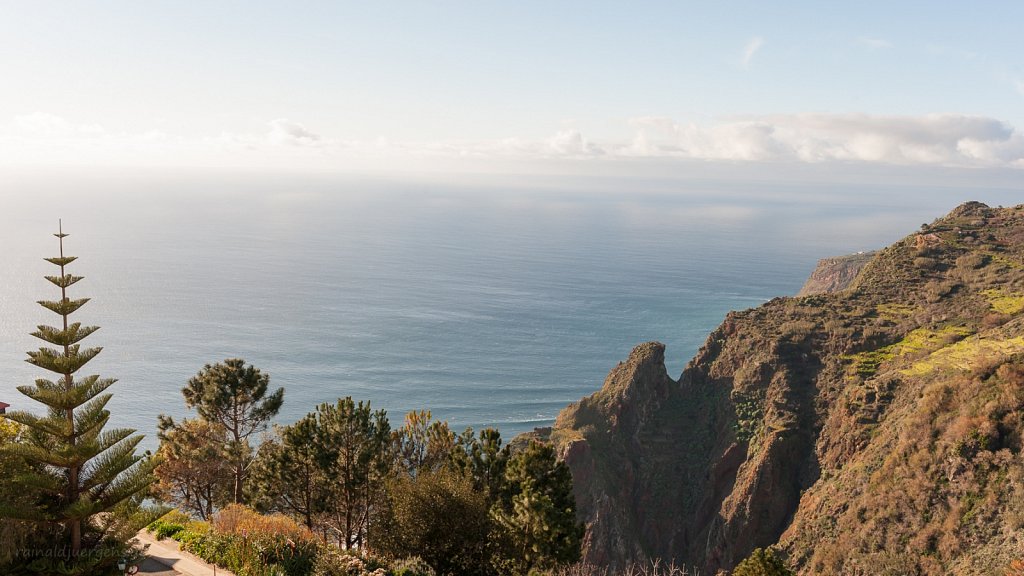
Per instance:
(164,558)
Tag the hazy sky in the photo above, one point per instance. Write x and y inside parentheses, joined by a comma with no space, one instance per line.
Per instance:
(325,84)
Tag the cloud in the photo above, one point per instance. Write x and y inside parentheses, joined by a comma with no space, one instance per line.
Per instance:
(874,43)
(941,139)
(43,139)
(1019,85)
(45,125)
(753,46)
(572,143)
(284,131)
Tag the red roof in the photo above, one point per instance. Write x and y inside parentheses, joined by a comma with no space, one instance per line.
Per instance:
(4,405)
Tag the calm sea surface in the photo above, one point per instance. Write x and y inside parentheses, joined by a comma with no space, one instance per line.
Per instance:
(489,304)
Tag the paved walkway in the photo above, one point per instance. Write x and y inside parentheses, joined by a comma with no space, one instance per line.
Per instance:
(155,568)
(164,558)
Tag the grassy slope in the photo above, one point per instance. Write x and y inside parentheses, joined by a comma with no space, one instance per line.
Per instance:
(921,450)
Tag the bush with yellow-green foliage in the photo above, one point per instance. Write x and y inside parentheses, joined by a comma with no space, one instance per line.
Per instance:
(762,562)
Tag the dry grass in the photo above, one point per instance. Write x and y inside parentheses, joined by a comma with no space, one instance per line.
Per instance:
(652,568)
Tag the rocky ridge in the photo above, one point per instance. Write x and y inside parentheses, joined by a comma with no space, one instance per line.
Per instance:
(878,426)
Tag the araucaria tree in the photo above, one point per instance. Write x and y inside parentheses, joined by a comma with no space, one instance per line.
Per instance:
(234,396)
(85,481)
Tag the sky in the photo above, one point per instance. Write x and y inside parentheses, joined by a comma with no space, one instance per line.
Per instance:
(337,85)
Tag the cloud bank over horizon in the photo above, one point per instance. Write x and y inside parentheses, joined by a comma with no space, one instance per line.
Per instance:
(957,140)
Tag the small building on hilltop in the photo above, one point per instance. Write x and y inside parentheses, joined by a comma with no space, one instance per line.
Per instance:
(3,407)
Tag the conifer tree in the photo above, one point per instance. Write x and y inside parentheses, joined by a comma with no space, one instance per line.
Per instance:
(289,474)
(355,441)
(423,444)
(537,511)
(194,473)
(87,479)
(234,396)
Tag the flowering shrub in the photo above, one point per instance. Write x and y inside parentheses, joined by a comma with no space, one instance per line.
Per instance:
(250,544)
(333,562)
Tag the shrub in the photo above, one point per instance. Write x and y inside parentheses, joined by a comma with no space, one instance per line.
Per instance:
(239,519)
(972,261)
(414,566)
(166,530)
(169,525)
(762,562)
(250,544)
(333,562)
(440,517)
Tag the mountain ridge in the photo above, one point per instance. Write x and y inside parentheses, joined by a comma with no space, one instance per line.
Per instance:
(774,430)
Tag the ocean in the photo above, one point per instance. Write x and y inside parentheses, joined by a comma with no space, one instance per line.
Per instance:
(491,301)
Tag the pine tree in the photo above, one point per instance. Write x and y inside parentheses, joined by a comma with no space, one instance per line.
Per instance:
(194,473)
(81,472)
(235,397)
(355,456)
(423,444)
(288,475)
(537,512)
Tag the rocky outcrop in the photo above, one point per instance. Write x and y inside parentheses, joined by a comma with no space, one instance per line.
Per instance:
(845,429)
(835,274)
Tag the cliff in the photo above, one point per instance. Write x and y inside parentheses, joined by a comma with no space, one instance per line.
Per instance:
(878,427)
(835,274)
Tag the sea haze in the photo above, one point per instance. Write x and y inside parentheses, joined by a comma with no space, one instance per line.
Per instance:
(490,301)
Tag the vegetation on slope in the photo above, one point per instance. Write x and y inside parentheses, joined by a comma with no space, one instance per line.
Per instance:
(875,426)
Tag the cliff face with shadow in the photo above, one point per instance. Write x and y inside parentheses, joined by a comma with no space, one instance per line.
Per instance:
(873,429)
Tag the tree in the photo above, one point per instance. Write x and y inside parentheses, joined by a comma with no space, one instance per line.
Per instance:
(288,475)
(14,534)
(484,459)
(537,511)
(87,480)
(193,473)
(423,444)
(234,396)
(762,562)
(356,460)
(440,517)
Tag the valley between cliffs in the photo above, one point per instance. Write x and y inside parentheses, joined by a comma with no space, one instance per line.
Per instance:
(874,425)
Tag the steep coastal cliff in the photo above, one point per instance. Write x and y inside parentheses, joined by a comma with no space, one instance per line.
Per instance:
(835,274)
(880,425)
